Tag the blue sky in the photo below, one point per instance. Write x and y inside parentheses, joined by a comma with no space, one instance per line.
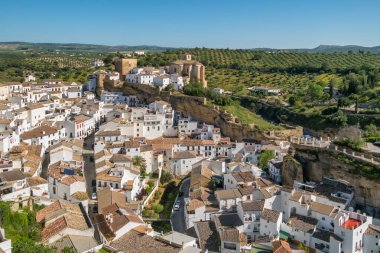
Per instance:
(193,23)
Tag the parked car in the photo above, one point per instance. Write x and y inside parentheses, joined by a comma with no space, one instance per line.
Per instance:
(177,205)
(93,195)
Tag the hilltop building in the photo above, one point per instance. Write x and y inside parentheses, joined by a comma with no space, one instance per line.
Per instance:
(192,70)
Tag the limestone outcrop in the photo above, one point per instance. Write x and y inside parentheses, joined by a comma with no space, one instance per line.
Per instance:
(318,163)
(291,170)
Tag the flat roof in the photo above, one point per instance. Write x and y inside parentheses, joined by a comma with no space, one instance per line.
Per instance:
(177,238)
(351,224)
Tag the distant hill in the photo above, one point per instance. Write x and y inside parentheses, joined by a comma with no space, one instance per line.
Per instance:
(354,48)
(327,49)
(74,47)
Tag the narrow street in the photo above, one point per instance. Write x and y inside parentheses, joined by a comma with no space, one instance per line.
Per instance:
(178,217)
(45,166)
(89,165)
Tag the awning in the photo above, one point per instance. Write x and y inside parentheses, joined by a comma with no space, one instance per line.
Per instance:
(284,235)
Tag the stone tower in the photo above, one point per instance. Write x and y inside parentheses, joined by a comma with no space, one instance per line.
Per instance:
(186,57)
(123,66)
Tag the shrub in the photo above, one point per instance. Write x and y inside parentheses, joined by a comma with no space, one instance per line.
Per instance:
(158,208)
(156,195)
(354,144)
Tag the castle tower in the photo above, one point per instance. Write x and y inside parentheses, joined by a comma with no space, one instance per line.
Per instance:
(123,66)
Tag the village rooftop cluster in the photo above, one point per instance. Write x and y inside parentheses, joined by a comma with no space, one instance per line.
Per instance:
(90,161)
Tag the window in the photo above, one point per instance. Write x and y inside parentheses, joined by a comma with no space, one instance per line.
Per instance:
(230,246)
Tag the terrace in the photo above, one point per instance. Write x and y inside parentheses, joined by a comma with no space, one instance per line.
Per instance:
(351,224)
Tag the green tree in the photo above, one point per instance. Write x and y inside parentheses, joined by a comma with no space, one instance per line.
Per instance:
(295,101)
(165,177)
(264,158)
(371,131)
(344,102)
(140,162)
(26,245)
(338,118)
(315,91)
(109,59)
(169,88)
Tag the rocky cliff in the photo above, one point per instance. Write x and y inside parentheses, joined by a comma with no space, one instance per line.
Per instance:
(317,163)
(198,109)
(291,170)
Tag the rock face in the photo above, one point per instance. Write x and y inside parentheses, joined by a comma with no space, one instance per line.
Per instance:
(291,170)
(319,163)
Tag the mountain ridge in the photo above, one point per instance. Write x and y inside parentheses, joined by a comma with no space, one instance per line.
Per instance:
(20,45)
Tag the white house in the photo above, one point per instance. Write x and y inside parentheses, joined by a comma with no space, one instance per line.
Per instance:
(30,78)
(274,169)
(5,244)
(270,222)
(13,185)
(161,81)
(249,212)
(145,78)
(182,162)
(66,181)
(74,92)
(43,135)
(35,113)
(195,210)
(218,91)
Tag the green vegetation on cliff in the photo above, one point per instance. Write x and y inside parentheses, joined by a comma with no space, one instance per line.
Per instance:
(354,166)
(22,228)
(247,117)
(359,168)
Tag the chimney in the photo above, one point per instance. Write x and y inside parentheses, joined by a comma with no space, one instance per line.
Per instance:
(109,218)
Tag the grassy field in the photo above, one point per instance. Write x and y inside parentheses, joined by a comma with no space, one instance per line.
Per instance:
(247,117)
